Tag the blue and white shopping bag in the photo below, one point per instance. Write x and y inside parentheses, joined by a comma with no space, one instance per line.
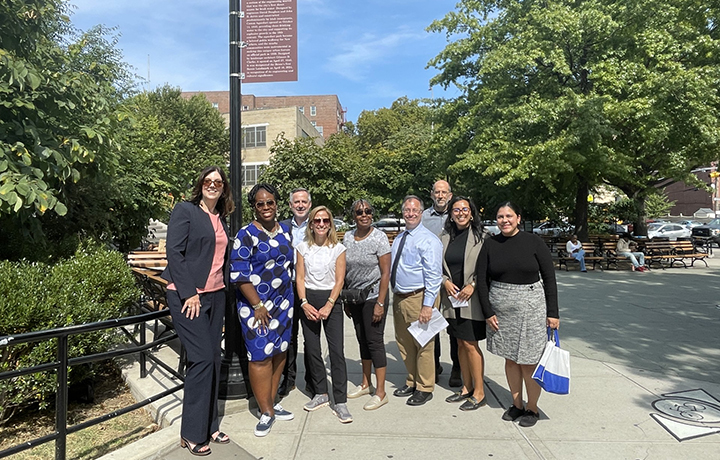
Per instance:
(553,371)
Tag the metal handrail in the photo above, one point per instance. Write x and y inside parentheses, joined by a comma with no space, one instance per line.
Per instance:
(62,363)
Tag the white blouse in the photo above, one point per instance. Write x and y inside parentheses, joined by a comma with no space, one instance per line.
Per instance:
(320,263)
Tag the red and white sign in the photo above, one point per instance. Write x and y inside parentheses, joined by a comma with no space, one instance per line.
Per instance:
(269,30)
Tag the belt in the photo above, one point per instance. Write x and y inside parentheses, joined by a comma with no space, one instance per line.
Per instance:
(408,294)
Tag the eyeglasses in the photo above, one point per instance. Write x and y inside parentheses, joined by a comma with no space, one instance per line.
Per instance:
(410,212)
(366,211)
(218,183)
(262,204)
(459,210)
(323,220)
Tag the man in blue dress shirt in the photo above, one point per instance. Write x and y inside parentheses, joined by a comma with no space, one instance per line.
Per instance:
(415,279)
(300,205)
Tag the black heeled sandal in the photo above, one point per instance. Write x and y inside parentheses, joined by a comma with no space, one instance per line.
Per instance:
(221,438)
(185,444)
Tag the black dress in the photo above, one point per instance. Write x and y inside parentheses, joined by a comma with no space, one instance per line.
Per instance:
(461,328)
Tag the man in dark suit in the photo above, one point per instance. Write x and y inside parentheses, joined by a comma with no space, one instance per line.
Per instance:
(300,205)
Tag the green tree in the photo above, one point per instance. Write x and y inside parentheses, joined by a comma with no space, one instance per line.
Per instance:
(570,95)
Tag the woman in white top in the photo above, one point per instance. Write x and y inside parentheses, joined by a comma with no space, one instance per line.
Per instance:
(320,274)
(575,250)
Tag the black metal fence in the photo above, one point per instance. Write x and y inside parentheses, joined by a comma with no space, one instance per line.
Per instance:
(61,367)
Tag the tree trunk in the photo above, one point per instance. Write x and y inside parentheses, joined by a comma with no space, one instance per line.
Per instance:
(640,228)
(581,211)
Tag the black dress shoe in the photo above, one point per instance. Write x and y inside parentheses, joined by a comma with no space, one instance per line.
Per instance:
(404,391)
(455,378)
(419,398)
(471,403)
(284,390)
(459,396)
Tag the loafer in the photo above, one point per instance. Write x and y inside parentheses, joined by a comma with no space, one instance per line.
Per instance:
(404,391)
(419,398)
(459,396)
(513,413)
(472,403)
(375,402)
(528,419)
(360,391)
(455,378)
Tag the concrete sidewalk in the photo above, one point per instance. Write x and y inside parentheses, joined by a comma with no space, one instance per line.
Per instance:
(633,337)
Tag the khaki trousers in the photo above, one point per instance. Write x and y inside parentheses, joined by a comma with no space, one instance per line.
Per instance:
(419,361)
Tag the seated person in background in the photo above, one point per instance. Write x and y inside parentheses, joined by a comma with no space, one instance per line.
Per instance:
(574,248)
(627,248)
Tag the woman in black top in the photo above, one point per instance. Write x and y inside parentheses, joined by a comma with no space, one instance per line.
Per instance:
(462,239)
(517,306)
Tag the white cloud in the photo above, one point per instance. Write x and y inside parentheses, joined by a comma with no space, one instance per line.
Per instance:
(355,61)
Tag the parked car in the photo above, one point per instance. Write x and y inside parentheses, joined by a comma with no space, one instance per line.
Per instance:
(617,229)
(551,229)
(690,223)
(339,224)
(668,230)
(390,224)
(709,231)
(491,226)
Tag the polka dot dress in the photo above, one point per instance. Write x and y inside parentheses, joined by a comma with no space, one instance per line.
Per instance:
(266,263)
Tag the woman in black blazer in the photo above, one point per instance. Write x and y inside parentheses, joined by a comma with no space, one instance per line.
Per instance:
(197,242)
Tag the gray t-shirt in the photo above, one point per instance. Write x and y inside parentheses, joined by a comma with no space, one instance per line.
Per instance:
(363,267)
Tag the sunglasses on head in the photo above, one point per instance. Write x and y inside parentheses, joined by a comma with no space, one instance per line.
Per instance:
(218,183)
(323,220)
(262,204)
(366,211)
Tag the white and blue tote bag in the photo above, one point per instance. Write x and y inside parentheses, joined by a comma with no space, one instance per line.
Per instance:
(553,371)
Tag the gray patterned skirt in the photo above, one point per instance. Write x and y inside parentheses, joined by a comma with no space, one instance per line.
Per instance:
(522,321)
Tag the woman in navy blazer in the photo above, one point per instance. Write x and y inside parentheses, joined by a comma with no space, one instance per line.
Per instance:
(197,242)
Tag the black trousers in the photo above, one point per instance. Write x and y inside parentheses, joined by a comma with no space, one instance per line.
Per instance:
(290,370)
(201,338)
(333,326)
(370,336)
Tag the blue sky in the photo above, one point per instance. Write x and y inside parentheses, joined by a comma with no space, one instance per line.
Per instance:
(368,52)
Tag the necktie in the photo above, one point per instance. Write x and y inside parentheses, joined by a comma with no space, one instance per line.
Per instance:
(393,271)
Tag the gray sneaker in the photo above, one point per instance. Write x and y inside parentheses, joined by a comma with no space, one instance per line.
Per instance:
(316,403)
(282,414)
(342,413)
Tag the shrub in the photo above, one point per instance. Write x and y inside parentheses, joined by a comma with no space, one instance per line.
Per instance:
(93,285)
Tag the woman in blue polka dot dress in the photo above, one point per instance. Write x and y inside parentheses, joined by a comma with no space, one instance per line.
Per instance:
(261,266)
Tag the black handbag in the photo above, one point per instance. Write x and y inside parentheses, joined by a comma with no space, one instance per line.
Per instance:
(355,296)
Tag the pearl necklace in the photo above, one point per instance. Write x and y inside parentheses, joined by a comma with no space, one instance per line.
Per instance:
(271,234)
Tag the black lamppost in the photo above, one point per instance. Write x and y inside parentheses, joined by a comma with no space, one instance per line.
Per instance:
(234,362)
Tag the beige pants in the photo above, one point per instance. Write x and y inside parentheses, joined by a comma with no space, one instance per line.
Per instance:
(419,361)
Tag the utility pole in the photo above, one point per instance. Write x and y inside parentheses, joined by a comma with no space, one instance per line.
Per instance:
(234,363)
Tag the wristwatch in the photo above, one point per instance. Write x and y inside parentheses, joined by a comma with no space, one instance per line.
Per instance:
(258,305)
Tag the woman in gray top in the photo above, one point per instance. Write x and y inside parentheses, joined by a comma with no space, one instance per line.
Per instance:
(368,271)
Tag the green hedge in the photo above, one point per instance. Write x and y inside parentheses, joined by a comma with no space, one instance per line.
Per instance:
(93,285)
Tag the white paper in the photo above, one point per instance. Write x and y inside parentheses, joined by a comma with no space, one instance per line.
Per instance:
(424,332)
(457,303)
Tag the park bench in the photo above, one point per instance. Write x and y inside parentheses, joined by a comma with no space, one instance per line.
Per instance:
(593,255)
(609,248)
(688,250)
(147,259)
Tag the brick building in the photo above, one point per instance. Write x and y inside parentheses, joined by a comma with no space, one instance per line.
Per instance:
(323,111)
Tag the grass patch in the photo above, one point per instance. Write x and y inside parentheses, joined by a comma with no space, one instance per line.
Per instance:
(111,394)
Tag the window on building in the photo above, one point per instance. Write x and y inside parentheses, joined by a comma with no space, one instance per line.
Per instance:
(215,105)
(245,108)
(319,129)
(313,111)
(302,109)
(313,123)
(254,136)
(251,173)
